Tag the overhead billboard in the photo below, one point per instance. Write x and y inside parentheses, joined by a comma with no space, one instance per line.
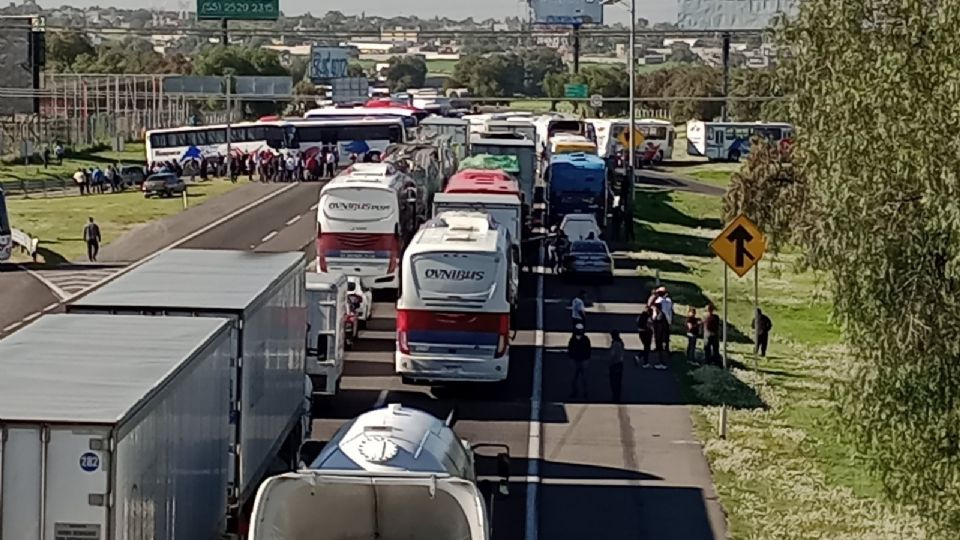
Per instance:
(567,12)
(731,14)
(16,77)
(328,63)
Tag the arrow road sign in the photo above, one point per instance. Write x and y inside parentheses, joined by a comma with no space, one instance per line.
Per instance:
(740,245)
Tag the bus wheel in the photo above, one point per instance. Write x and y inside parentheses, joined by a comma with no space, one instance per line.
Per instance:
(734,155)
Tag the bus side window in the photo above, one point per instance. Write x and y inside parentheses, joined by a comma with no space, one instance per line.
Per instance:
(716,135)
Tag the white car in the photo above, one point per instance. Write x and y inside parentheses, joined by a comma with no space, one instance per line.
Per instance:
(362,297)
(579,226)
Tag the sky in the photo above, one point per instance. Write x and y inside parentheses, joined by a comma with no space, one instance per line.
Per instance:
(652,10)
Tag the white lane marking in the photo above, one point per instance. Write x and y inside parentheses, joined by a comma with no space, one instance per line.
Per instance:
(535,443)
(51,307)
(381,399)
(12,327)
(293,220)
(31,317)
(60,293)
(315,205)
(173,245)
(267,238)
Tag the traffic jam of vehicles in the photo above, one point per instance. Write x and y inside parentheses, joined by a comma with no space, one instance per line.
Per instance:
(194,419)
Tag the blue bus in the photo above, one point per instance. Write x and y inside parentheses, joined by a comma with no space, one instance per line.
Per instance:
(577,184)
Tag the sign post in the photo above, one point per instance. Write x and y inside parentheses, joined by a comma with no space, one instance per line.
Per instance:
(740,245)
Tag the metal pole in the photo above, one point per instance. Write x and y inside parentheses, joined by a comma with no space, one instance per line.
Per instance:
(632,103)
(576,49)
(723,407)
(224,35)
(756,323)
(229,135)
(726,76)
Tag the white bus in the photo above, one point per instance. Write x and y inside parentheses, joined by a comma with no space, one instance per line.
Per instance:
(458,291)
(408,115)
(6,234)
(719,141)
(365,217)
(655,145)
(363,137)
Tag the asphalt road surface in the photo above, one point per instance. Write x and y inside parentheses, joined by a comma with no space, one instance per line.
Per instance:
(601,470)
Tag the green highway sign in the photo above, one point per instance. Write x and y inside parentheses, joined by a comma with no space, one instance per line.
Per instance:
(238,10)
(575,91)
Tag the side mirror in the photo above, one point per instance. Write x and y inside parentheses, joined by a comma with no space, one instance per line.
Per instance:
(309,451)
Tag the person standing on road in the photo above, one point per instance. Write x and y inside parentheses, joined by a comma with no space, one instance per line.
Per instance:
(666,305)
(91,235)
(616,365)
(693,332)
(578,310)
(645,330)
(661,334)
(579,350)
(711,337)
(763,332)
(331,159)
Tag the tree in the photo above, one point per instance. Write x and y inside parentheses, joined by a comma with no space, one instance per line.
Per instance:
(406,72)
(218,60)
(63,49)
(873,96)
(538,63)
(680,52)
(356,70)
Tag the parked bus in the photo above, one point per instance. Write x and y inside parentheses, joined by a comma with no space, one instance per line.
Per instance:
(578,184)
(459,289)
(409,116)
(654,143)
(563,143)
(365,217)
(6,233)
(494,192)
(366,138)
(718,141)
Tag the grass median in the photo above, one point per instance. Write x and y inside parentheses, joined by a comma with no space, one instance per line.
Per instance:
(58,222)
(16,170)
(786,470)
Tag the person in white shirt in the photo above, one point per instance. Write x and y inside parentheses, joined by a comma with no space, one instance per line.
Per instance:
(331,163)
(666,305)
(578,311)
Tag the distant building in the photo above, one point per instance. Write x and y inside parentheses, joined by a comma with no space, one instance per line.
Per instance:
(731,14)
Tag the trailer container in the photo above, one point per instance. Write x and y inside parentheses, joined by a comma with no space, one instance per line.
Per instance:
(115,428)
(264,294)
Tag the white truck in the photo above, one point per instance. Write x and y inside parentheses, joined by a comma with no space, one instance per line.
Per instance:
(264,294)
(326,339)
(115,428)
(390,474)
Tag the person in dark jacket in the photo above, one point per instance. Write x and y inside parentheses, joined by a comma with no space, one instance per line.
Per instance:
(711,337)
(661,334)
(91,235)
(645,330)
(579,350)
(763,332)
(616,365)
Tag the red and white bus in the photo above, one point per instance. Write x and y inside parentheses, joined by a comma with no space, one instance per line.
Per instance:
(492,191)
(365,218)
(459,289)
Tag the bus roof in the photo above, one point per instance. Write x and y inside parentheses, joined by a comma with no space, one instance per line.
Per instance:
(580,160)
(360,111)
(744,124)
(291,122)
(372,174)
(458,231)
(486,141)
(482,181)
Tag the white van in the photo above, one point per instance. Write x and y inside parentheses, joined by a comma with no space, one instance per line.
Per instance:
(365,217)
(459,288)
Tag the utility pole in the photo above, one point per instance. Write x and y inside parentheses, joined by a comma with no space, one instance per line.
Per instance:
(224,35)
(632,72)
(228,79)
(576,48)
(726,75)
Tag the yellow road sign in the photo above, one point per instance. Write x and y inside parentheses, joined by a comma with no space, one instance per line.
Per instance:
(740,245)
(624,139)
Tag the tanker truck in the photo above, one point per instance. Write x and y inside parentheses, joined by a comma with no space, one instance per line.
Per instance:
(392,473)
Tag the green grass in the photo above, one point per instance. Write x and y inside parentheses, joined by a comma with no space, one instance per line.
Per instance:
(133,153)
(786,469)
(58,222)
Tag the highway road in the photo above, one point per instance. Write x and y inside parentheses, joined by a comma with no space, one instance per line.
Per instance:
(580,468)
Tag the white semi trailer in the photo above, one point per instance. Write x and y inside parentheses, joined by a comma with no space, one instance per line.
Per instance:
(264,295)
(390,474)
(115,428)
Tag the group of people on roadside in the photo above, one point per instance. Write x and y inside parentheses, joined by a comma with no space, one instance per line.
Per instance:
(654,324)
(96,180)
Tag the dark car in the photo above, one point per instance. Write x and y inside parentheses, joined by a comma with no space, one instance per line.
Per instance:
(163,185)
(588,258)
(133,175)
